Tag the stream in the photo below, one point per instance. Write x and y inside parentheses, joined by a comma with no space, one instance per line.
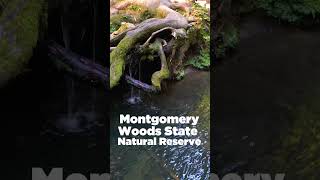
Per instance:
(163,162)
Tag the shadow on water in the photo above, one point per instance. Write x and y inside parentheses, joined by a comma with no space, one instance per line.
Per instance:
(273,70)
(163,162)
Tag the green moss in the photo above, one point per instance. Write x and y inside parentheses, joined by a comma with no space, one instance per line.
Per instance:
(117,60)
(203,110)
(298,154)
(164,72)
(116,20)
(147,15)
(20,37)
(158,76)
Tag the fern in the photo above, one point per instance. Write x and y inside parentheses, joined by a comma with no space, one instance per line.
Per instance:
(293,11)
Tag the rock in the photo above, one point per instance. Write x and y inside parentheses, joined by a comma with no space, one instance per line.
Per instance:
(19,34)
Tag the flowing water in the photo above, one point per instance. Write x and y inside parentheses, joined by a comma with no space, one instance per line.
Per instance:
(163,162)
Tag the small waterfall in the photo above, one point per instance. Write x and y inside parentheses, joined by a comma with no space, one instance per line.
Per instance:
(70,93)
(68,80)
(135,94)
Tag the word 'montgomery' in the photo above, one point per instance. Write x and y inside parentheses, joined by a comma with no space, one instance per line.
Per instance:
(156,120)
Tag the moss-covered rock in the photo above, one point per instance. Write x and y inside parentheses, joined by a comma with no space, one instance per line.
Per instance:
(19,32)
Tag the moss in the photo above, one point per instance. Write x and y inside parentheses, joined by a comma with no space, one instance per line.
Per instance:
(20,36)
(135,13)
(124,26)
(116,20)
(117,60)
(164,72)
(147,15)
(298,154)
(138,13)
(158,76)
(203,110)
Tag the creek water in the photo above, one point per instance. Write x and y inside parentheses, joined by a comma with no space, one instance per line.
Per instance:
(275,69)
(163,162)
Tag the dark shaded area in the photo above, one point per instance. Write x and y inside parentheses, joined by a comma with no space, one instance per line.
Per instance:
(273,70)
(35,104)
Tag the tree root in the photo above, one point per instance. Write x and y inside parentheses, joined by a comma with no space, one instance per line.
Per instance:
(164,72)
(138,34)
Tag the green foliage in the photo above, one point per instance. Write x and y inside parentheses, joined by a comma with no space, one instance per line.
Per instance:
(199,36)
(116,20)
(135,7)
(293,11)
(147,15)
(202,61)
(202,24)
(229,40)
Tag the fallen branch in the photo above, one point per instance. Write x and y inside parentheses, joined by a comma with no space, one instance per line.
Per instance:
(86,69)
(78,65)
(140,85)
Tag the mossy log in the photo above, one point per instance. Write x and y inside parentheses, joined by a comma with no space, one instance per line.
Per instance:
(86,69)
(139,34)
(20,26)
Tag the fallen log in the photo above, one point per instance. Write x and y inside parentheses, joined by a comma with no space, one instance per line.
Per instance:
(140,85)
(86,69)
(78,65)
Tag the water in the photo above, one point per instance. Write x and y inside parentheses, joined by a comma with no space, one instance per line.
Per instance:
(274,70)
(163,162)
